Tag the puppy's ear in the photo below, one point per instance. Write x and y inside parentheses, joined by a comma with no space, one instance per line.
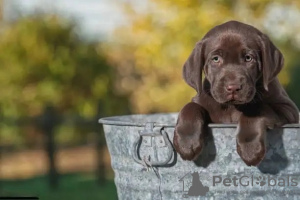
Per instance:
(272,60)
(192,69)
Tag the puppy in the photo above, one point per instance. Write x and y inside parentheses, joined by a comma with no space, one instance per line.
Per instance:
(240,65)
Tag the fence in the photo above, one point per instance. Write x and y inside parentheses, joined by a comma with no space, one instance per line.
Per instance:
(47,123)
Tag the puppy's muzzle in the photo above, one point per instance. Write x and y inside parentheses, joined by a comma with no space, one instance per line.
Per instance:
(232,90)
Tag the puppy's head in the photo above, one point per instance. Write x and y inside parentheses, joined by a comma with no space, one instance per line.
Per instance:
(237,59)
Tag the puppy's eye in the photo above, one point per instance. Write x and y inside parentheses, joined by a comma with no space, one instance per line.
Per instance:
(248,58)
(216,59)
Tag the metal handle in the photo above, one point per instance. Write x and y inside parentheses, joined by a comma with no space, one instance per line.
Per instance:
(149,132)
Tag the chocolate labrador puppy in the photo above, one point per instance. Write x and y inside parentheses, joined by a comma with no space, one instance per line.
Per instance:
(240,65)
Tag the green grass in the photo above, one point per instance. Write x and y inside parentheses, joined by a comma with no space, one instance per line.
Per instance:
(71,187)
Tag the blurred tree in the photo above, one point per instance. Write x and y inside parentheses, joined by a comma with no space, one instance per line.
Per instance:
(43,61)
(293,87)
(149,51)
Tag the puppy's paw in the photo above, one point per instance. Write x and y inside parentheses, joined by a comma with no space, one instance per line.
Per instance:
(188,136)
(189,146)
(252,152)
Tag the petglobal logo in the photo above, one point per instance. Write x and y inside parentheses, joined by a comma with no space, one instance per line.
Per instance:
(194,185)
(245,181)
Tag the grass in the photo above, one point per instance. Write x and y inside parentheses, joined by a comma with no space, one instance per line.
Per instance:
(71,186)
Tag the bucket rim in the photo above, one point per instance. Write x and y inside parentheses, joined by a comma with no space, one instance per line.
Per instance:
(116,120)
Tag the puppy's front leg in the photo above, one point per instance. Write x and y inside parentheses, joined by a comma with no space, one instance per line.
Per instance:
(251,131)
(251,136)
(189,131)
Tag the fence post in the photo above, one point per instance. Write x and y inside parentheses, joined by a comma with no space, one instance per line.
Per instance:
(100,171)
(48,121)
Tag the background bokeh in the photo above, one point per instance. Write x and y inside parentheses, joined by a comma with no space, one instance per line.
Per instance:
(64,64)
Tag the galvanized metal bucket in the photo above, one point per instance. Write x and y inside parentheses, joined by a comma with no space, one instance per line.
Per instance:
(147,167)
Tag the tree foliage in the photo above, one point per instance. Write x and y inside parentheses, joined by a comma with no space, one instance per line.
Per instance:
(43,61)
(150,50)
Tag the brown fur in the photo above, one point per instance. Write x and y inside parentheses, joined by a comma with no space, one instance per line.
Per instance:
(236,89)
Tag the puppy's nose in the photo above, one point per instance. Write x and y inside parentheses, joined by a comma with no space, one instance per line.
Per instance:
(233,88)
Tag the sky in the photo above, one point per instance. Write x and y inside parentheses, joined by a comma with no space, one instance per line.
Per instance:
(97,18)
